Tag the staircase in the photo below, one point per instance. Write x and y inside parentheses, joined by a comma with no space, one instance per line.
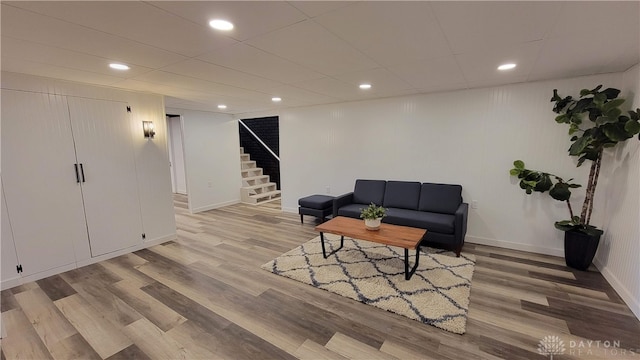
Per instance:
(256,187)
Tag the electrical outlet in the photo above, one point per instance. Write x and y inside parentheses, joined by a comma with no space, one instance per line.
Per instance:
(474,204)
(209,183)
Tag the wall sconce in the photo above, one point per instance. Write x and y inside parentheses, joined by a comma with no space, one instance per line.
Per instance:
(148,129)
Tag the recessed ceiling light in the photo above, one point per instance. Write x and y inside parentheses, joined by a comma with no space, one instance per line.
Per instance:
(219,24)
(118,66)
(222,106)
(365,86)
(506,66)
(276,99)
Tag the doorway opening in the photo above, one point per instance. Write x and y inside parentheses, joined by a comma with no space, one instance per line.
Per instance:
(260,161)
(176,154)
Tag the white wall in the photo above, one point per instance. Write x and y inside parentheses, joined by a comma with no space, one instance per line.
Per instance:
(151,156)
(212,159)
(619,194)
(466,137)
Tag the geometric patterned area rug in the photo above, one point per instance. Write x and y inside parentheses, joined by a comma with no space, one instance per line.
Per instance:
(437,294)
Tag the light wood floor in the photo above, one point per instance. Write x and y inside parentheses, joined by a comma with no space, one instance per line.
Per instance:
(205,296)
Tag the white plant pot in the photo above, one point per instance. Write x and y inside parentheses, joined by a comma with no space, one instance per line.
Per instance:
(372,224)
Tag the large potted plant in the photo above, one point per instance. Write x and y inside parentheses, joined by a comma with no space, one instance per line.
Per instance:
(595,122)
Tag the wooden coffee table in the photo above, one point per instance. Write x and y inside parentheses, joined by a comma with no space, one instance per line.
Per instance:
(401,236)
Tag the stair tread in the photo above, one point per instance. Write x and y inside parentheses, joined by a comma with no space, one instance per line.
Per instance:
(255,177)
(251,169)
(259,185)
(270,193)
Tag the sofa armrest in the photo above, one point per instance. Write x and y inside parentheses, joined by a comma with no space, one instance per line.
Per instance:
(341,201)
(462,214)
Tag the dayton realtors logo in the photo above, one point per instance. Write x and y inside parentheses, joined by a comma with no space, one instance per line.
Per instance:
(552,345)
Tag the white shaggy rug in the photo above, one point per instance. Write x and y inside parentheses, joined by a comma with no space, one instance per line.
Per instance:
(437,294)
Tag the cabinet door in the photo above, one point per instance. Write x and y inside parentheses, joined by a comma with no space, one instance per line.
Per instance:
(7,246)
(43,199)
(104,147)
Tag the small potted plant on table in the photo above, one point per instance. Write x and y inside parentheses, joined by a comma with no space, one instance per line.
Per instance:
(372,216)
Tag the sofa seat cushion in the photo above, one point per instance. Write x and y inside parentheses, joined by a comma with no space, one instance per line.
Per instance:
(402,195)
(439,223)
(369,191)
(440,198)
(351,210)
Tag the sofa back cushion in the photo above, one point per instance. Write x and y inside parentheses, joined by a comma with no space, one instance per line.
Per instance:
(402,195)
(369,191)
(440,198)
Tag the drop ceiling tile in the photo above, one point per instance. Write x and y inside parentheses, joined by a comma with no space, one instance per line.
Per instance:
(382,80)
(574,56)
(310,45)
(624,60)
(497,81)
(472,26)
(197,84)
(20,24)
(482,65)
(171,102)
(188,96)
(137,21)
(316,8)
(211,72)
(254,61)
(431,74)
(30,51)
(613,19)
(250,18)
(287,92)
(47,70)
(334,88)
(389,32)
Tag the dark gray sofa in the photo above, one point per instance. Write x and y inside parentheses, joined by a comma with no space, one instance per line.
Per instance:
(438,208)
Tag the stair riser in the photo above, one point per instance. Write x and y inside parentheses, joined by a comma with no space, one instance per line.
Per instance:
(257,187)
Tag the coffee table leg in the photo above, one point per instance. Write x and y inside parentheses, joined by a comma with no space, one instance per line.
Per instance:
(324,252)
(407,273)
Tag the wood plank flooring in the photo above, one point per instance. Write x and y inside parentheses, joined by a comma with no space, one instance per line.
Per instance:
(204,296)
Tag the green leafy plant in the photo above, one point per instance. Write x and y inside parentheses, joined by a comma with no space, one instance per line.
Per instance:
(595,122)
(373,211)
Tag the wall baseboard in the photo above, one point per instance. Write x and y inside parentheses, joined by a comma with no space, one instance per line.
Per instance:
(514,246)
(9,283)
(625,294)
(491,242)
(214,206)
(290,210)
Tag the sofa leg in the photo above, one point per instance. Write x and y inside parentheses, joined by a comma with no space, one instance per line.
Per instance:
(458,250)
(301,222)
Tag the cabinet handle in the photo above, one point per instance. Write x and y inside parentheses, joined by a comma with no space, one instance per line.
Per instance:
(77,175)
(82,172)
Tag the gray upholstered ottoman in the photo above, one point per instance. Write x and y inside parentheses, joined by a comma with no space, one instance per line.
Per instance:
(319,206)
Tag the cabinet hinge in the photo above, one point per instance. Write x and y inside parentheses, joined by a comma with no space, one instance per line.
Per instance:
(19,268)
(128,108)
(144,236)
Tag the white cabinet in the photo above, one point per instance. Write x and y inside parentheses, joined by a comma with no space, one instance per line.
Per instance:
(59,216)
(7,248)
(104,148)
(43,199)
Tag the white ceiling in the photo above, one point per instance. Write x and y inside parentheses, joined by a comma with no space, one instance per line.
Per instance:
(314,52)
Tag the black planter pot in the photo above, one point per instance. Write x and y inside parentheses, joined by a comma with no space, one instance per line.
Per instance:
(579,249)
